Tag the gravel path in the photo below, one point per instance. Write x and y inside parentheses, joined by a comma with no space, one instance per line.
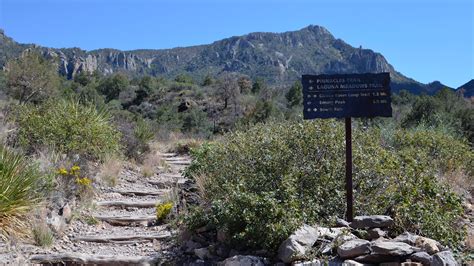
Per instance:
(123,230)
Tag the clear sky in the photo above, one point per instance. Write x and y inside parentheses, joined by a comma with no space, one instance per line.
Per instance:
(424,39)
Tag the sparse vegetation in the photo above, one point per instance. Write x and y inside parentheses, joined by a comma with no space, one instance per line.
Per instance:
(163,210)
(42,235)
(20,190)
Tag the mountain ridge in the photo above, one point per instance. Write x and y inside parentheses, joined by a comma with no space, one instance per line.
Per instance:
(279,58)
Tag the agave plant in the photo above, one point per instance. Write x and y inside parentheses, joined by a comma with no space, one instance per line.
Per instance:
(18,192)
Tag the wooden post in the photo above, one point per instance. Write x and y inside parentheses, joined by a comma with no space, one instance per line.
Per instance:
(349,196)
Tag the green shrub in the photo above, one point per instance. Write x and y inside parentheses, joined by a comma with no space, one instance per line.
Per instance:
(20,185)
(262,183)
(42,235)
(68,127)
(163,210)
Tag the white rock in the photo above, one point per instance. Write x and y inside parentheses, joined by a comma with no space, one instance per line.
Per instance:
(242,260)
(444,258)
(392,248)
(296,246)
(353,248)
(373,221)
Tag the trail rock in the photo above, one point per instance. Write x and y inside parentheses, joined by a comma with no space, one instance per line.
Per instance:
(342,223)
(353,263)
(392,248)
(422,257)
(429,245)
(375,233)
(373,221)
(407,238)
(202,253)
(444,258)
(308,263)
(296,246)
(242,260)
(353,248)
(411,264)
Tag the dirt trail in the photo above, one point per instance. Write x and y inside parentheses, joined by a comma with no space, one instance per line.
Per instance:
(123,230)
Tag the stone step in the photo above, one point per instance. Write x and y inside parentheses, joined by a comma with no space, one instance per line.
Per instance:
(141,192)
(173,159)
(127,239)
(179,162)
(167,154)
(127,204)
(127,220)
(85,259)
(167,183)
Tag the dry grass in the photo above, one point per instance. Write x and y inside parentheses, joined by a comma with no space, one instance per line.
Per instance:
(110,170)
(460,182)
(153,161)
(201,181)
(42,234)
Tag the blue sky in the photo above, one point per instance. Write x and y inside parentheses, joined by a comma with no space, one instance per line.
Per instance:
(424,39)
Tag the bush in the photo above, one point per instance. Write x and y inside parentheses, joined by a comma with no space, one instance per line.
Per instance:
(68,127)
(263,183)
(20,185)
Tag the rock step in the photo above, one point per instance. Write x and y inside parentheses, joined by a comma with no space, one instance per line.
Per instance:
(178,162)
(123,238)
(127,204)
(83,259)
(167,183)
(168,154)
(126,220)
(141,193)
(173,159)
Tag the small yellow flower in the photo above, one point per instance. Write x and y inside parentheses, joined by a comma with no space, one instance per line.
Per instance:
(75,169)
(84,181)
(62,171)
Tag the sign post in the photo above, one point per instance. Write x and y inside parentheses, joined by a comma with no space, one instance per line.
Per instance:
(346,96)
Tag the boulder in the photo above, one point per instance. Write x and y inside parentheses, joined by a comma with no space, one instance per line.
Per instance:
(352,263)
(353,248)
(202,253)
(407,263)
(373,221)
(407,238)
(444,258)
(375,233)
(243,260)
(392,248)
(342,223)
(429,245)
(296,246)
(308,263)
(376,258)
(422,257)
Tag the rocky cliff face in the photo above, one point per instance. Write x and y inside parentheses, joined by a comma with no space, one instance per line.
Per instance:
(280,58)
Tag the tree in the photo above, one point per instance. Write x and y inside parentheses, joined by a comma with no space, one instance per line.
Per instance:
(228,89)
(245,85)
(184,78)
(295,95)
(113,85)
(208,80)
(258,85)
(31,78)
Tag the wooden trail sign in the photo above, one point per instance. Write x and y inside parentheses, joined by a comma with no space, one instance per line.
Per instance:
(346,96)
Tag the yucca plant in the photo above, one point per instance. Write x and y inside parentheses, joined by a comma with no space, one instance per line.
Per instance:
(19,192)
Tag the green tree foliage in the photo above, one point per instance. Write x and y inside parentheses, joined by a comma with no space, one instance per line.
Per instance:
(31,78)
(68,127)
(111,86)
(208,80)
(262,183)
(184,78)
(258,85)
(295,95)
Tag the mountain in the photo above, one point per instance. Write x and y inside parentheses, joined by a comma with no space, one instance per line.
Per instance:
(467,89)
(280,58)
